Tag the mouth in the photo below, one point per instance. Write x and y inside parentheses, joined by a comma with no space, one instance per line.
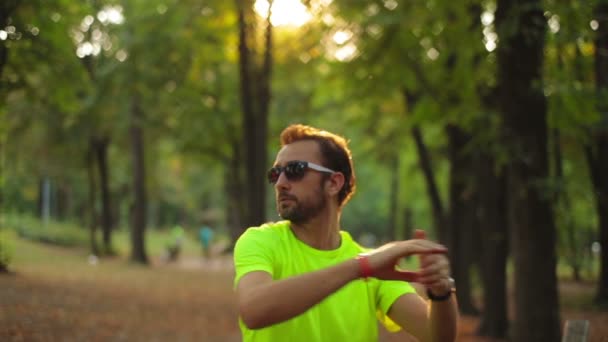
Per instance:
(284,197)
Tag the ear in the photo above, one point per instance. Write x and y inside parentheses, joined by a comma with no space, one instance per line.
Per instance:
(334,183)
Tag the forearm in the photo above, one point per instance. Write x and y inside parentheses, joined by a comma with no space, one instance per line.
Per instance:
(444,320)
(278,301)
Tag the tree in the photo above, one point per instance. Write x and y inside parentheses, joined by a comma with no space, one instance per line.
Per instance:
(491,196)
(97,129)
(487,183)
(92,213)
(521,27)
(138,209)
(255,77)
(596,150)
(139,206)
(6,10)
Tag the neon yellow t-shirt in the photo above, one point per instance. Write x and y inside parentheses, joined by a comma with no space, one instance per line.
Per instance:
(348,314)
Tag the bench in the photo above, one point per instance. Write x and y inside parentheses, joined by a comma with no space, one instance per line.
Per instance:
(576,331)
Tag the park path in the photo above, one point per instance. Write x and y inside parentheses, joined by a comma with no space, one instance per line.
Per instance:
(216,263)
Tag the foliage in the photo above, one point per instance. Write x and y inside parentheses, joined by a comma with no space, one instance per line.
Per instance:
(181,58)
(52,232)
(73,235)
(6,249)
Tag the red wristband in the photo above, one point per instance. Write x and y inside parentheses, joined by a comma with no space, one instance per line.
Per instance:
(364,266)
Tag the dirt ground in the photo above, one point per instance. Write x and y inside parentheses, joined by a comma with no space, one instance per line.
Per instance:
(57,294)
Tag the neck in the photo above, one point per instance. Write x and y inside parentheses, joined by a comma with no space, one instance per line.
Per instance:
(321,232)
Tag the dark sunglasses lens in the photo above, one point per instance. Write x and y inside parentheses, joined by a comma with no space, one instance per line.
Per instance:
(273,175)
(295,170)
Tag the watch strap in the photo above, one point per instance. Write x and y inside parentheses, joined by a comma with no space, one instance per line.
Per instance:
(440,298)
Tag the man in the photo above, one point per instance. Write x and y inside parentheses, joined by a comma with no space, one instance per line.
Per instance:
(205,235)
(304,279)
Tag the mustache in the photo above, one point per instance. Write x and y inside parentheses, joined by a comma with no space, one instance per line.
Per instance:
(286,196)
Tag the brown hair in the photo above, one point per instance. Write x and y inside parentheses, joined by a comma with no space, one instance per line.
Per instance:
(334,153)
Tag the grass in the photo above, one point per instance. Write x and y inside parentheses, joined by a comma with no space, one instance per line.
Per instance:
(69,234)
(63,234)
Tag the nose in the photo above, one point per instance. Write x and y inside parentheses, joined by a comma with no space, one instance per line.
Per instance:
(282,182)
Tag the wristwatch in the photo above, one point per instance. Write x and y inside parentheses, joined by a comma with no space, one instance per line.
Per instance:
(443,297)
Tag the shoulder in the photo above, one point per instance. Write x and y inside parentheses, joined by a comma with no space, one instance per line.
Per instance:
(268,229)
(256,249)
(351,244)
(269,232)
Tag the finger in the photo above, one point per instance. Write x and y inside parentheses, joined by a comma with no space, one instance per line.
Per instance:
(433,259)
(429,251)
(408,276)
(431,282)
(419,234)
(396,274)
(433,273)
(441,266)
(432,276)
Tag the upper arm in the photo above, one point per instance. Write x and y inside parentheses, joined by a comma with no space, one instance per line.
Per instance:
(410,311)
(251,254)
(251,280)
(247,285)
(254,266)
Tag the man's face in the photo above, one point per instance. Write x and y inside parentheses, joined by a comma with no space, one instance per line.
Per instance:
(303,199)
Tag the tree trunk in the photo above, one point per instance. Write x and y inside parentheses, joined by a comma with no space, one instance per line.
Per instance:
(491,209)
(492,218)
(601,194)
(597,154)
(101,155)
(598,167)
(44,199)
(138,251)
(461,218)
(234,185)
(521,27)
(247,105)
(431,186)
(40,197)
(562,204)
(7,7)
(90,162)
(408,223)
(255,99)
(64,199)
(393,211)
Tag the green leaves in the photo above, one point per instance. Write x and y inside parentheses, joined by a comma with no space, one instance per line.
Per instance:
(368,69)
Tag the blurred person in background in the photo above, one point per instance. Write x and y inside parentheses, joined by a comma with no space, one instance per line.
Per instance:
(205,236)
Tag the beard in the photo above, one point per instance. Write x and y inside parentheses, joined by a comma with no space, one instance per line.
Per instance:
(301,211)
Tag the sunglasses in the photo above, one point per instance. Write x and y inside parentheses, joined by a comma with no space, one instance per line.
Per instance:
(294,170)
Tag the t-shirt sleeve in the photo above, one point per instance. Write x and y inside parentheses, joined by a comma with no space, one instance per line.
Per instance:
(252,253)
(388,292)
